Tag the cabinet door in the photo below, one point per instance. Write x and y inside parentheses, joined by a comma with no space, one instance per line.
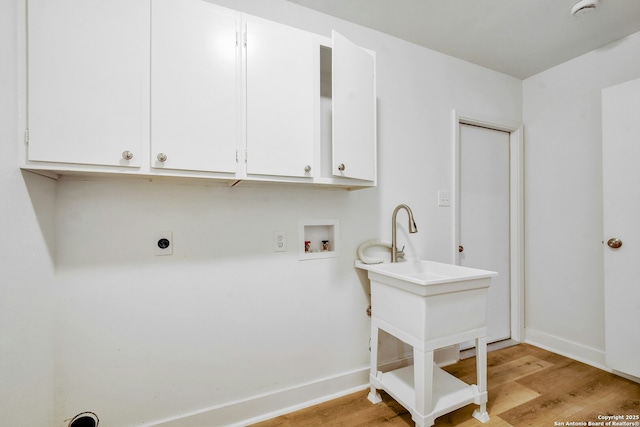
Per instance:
(280,99)
(354,112)
(88,77)
(195,80)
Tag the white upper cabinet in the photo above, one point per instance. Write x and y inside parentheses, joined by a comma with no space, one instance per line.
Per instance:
(188,88)
(88,81)
(354,110)
(195,86)
(280,109)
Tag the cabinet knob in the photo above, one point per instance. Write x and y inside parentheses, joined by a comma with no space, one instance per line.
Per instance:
(341,167)
(307,168)
(162,157)
(127,155)
(614,243)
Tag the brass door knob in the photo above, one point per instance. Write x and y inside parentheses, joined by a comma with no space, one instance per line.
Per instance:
(614,243)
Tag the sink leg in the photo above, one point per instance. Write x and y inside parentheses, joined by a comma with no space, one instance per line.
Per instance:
(374,396)
(481,413)
(423,385)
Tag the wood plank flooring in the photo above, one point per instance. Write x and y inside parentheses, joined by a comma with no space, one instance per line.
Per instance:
(528,386)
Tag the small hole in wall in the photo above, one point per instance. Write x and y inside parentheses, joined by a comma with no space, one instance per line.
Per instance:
(85,419)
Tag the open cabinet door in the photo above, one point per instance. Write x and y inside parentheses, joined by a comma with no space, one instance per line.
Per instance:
(354,110)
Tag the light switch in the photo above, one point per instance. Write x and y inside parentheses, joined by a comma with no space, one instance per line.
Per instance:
(444,198)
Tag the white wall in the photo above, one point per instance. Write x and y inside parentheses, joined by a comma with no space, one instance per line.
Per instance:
(224,318)
(563,202)
(417,90)
(140,339)
(26,267)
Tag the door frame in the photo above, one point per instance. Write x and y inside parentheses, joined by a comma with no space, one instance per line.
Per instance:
(516,206)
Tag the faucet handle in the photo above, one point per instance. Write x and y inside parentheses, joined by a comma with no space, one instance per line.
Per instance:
(400,253)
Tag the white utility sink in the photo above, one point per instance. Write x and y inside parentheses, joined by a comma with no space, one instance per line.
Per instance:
(425,277)
(429,305)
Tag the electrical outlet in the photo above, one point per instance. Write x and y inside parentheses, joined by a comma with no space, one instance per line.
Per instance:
(279,241)
(163,243)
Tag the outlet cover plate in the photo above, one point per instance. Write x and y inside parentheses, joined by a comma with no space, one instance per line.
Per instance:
(279,241)
(163,243)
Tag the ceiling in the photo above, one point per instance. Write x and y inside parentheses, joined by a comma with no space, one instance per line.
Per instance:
(516,37)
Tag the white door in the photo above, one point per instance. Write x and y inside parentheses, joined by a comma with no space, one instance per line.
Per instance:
(354,110)
(484,217)
(621,180)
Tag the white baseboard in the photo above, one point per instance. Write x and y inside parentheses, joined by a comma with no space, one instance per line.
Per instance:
(273,404)
(581,353)
(493,346)
(269,405)
(447,355)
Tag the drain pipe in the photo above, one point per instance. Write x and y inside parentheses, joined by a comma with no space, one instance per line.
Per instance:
(85,419)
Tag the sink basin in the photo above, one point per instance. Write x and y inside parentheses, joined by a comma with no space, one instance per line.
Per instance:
(420,300)
(424,277)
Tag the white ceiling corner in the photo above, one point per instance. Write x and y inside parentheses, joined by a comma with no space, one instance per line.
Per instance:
(516,37)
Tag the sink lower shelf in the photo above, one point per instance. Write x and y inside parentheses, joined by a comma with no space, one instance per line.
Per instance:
(448,392)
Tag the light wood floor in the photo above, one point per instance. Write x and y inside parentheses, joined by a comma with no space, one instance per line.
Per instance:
(528,386)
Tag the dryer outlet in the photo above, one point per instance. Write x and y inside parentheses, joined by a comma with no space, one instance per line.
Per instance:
(163,243)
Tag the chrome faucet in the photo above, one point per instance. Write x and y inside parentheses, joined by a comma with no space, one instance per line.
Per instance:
(412,229)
